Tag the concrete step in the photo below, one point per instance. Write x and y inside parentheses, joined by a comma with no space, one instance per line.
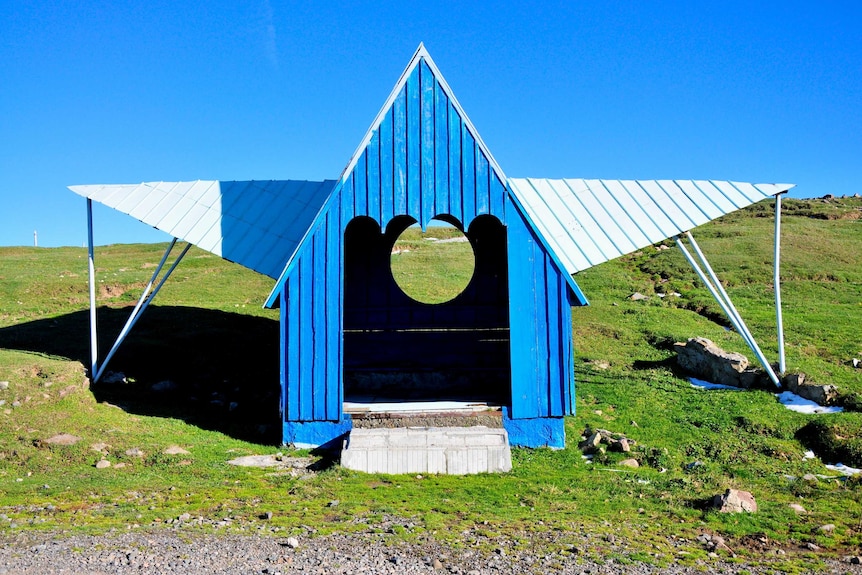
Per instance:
(443,450)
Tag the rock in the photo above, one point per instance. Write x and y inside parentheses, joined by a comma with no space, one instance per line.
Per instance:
(621,445)
(820,394)
(292,542)
(4,385)
(333,503)
(797,508)
(175,450)
(633,463)
(810,478)
(828,528)
(62,439)
(707,361)
(437,564)
(103,464)
(119,465)
(812,547)
(735,501)
(592,442)
(100,447)
(857,363)
(856,560)
(112,377)
(637,296)
(164,386)
(134,452)
(184,517)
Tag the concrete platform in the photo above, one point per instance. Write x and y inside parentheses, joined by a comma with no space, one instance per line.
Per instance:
(443,450)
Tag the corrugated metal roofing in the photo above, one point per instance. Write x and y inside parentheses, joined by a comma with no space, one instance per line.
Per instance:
(257,224)
(588,222)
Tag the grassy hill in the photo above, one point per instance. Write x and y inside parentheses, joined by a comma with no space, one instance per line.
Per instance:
(207,334)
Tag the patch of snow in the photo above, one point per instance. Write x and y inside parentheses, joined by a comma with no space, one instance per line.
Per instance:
(843,469)
(701,384)
(809,455)
(799,404)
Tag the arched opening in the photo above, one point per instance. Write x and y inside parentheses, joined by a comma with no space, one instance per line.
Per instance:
(400,350)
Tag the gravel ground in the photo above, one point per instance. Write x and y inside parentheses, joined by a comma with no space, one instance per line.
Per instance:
(162,552)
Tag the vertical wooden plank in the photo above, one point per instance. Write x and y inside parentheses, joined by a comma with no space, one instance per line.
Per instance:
(441,151)
(414,160)
(482,199)
(399,159)
(468,173)
(426,128)
(372,179)
(455,165)
(557,381)
(566,330)
(498,197)
(306,338)
(543,359)
(319,328)
(387,200)
(332,318)
(283,352)
(522,340)
(348,207)
(292,296)
(359,184)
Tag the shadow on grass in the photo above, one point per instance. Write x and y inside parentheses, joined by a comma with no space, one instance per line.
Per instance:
(222,368)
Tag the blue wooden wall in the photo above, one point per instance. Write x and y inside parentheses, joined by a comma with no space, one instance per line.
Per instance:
(422,161)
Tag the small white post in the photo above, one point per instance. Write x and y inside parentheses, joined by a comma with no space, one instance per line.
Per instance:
(94,350)
(782,367)
(35,239)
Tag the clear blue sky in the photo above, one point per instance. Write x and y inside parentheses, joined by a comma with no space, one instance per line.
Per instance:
(124,92)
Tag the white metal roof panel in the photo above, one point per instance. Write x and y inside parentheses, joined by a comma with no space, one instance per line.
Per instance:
(588,222)
(257,224)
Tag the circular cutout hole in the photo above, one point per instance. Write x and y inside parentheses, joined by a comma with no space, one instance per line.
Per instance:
(435,266)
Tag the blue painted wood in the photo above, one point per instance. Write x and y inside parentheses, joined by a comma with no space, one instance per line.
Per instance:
(468,174)
(348,208)
(387,192)
(426,129)
(483,202)
(454,142)
(414,148)
(290,340)
(399,161)
(441,151)
(556,361)
(334,310)
(306,337)
(319,323)
(372,180)
(360,188)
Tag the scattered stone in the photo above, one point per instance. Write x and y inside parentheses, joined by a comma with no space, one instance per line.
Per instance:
(621,445)
(103,464)
(797,508)
(4,385)
(694,465)
(267,515)
(119,465)
(437,564)
(175,450)
(631,462)
(62,439)
(812,547)
(828,528)
(857,363)
(134,452)
(709,362)
(164,386)
(735,501)
(637,296)
(856,560)
(100,447)
(333,503)
(810,478)
(184,517)
(292,542)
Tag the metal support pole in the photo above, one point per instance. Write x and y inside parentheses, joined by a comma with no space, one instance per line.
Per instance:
(142,305)
(745,332)
(734,319)
(779,320)
(94,350)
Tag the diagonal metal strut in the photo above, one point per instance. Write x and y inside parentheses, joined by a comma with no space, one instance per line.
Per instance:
(714,286)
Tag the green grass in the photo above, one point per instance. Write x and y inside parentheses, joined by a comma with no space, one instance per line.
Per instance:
(208,333)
